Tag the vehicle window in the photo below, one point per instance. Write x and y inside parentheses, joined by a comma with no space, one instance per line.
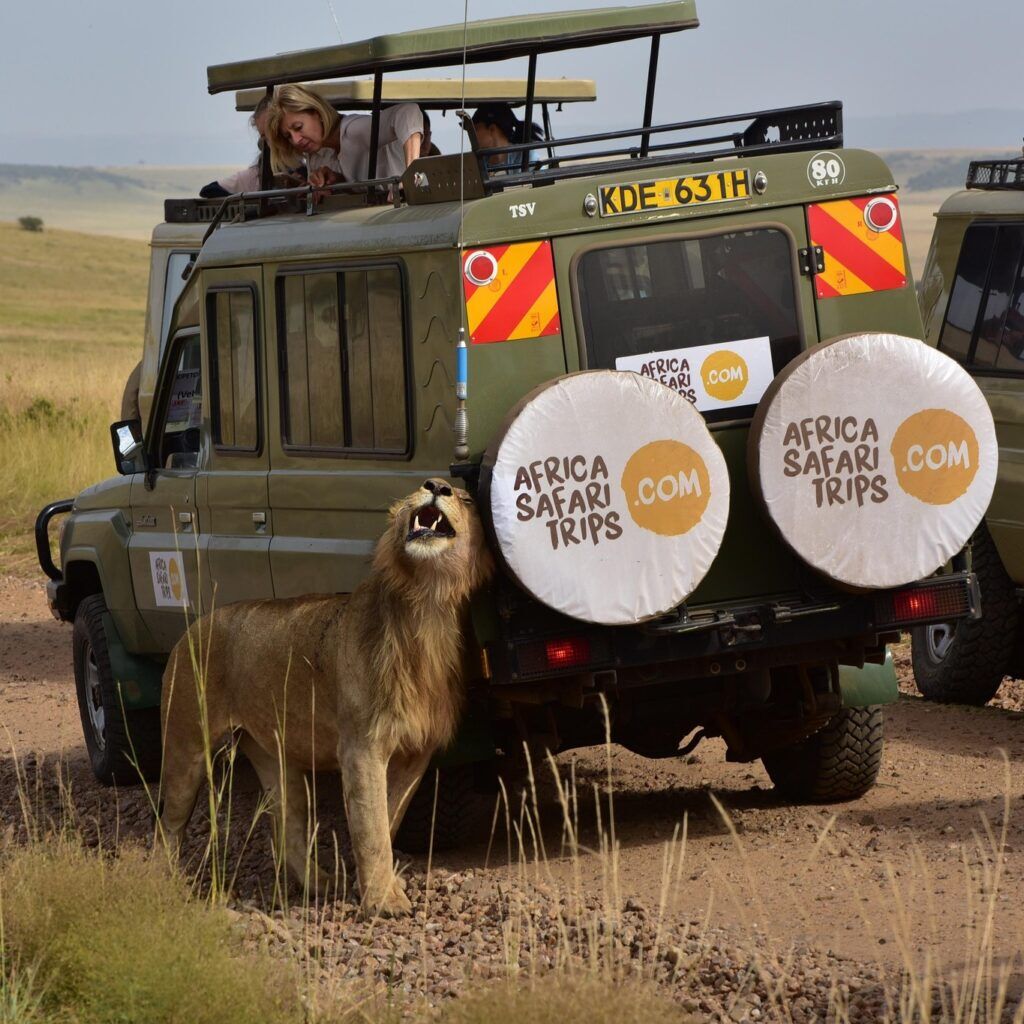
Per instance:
(231,324)
(984,325)
(342,351)
(1002,276)
(659,296)
(1011,352)
(179,436)
(174,285)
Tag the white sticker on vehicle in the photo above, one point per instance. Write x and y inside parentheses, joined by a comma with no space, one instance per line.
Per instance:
(186,401)
(168,571)
(712,377)
(825,169)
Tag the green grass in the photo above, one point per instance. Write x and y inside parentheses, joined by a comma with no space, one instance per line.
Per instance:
(104,940)
(72,313)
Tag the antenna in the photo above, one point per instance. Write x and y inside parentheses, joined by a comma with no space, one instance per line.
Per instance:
(330,7)
(461,350)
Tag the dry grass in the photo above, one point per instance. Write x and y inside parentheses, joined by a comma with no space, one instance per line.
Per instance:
(72,311)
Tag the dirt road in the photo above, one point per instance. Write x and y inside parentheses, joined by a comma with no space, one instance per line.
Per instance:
(889,877)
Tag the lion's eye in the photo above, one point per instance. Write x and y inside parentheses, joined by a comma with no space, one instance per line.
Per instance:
(466,498)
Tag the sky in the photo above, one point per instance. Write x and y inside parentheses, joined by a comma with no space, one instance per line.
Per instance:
(112,82)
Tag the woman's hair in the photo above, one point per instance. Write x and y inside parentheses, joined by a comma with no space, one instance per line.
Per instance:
(294,99)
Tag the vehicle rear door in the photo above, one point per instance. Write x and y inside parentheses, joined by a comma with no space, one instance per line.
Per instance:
(713,306)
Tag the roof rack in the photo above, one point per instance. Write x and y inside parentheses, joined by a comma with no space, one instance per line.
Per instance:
(996,174)
(781,130)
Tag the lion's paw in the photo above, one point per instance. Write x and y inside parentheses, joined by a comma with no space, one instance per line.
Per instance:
(392,902)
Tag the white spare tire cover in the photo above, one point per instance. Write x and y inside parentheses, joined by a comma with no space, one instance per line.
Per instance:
(875,456)
(608,497)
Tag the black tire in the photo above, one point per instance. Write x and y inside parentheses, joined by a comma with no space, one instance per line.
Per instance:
(840,762)
(964,662)
(463,812)
(123,745)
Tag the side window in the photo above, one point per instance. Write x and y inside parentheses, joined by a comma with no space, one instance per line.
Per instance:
(984,325)
(231,322)
(342,351)
(182,415)
(174,285)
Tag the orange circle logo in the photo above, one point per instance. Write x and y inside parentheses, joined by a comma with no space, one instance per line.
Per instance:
(667,487)
(174,578)
(725,375)
(936,456)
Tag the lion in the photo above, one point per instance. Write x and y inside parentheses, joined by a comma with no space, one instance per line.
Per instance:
(370,683)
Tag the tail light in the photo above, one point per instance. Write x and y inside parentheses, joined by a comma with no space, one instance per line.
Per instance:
(942,600)
(560,654)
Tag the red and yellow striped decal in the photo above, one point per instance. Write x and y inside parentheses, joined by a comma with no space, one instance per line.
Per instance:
(857,259)
(520,302)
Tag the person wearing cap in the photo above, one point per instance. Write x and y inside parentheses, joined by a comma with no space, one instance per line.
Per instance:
(496,126)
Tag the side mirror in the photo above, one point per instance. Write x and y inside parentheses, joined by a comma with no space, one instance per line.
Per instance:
(129,455)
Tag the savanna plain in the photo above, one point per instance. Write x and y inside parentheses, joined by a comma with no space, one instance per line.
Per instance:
(607,888)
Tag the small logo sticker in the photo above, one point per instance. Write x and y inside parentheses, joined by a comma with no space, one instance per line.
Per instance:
(826,169)
(169,586)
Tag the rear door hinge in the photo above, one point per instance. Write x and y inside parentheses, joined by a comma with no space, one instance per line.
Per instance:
(812,260)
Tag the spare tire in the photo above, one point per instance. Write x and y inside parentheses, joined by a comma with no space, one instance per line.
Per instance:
(607,496)
(875,458)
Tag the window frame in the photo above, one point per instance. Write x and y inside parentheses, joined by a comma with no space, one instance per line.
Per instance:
(969,364)
(796,277)
(158,418)
(211,352)
(341,451)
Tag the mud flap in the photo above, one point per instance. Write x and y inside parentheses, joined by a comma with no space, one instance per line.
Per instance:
(139,678)
(872,684)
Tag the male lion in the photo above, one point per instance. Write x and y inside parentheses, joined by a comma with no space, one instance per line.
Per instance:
(368,682)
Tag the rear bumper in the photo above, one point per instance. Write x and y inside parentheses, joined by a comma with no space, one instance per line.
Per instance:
(731,638)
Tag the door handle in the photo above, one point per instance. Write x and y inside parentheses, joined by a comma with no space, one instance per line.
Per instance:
(259,520)
(185,519)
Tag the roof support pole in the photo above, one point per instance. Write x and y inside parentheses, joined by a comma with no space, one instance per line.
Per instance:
(266,172)
(378,86)
(652,77)
(531,88)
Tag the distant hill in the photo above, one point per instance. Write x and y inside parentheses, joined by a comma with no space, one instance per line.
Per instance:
(122,201)
(128,201)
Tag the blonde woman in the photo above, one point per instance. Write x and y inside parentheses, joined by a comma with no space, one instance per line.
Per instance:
(336,147)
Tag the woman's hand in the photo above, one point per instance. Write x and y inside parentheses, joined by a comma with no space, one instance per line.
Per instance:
(320,179)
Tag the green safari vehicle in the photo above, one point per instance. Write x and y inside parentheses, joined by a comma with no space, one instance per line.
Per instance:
(323,359)
(972,303)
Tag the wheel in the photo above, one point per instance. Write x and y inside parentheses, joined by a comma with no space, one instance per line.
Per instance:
(123,745)
(462,812)
(840,762)
(964,662)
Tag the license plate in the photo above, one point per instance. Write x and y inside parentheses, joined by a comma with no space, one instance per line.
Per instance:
(668,193)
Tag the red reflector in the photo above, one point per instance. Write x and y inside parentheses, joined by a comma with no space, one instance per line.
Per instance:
(880,214)
(567,653)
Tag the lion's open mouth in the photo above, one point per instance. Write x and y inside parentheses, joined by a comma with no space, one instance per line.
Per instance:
(427,522)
